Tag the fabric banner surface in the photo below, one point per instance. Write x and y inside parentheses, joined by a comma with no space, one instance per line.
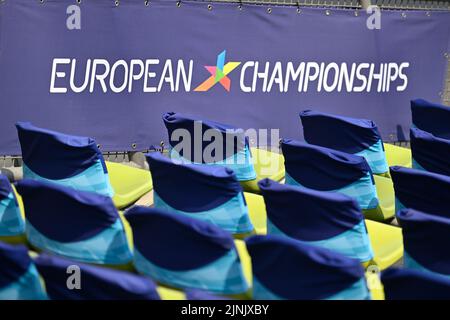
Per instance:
(110,69)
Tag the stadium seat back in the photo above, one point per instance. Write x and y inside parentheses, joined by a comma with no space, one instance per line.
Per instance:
(329,220)
(19,278)
(431,117)
(78,225)
(70,280)
(350,135)
(190,141)
(324,169)
(11,221)
(208,193)
(430,153)
(287,269)
(184,252)
(68,160)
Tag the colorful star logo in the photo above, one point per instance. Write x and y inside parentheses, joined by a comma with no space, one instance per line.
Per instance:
(218,73)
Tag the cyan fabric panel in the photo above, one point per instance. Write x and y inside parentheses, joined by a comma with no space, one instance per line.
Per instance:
(96,283)
(11,221)
(421,190)
(66,159)
(280,265)
(18,276)
(223,276)
(28,287)
(430,153)
(426,238)
(362,190)
(351,135)
(231,216)
(93,179)
(192,187)
(108,247)
(431,117)
(241,163)
(354,243)
(185,252)
(409,284)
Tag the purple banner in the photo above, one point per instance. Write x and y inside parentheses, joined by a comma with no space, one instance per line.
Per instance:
(110,69)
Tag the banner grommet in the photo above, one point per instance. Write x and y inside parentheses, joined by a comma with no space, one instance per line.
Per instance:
(133,145)
(356,13)
(178,4)
(117,2)
(146,3)
(327,12)
(209,7)
(269,10)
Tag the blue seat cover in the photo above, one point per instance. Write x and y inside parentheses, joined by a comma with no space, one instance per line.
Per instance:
(324,169)
(284,268)
(426,238)
(431,117)
(195,294)
(329,220)
(409,284)
(208,193)
(235,147)
(184,252)
(351,135)
(430,153)
(71,161)
(79,225)
(11,222)
(19,279)
(97,283)
(421,190)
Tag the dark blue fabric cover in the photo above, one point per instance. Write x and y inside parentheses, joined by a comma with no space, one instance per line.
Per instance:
(430,152)
(173,121)
(426,239)
(408,284)
(431,117)
(14,262)
(65,214)
(293,270)
(176,242)
(321,168)
(192,187)
(194,294)
(422,190)
(337,132)
(5,187)
(97,283)
(307,214)
(55,155)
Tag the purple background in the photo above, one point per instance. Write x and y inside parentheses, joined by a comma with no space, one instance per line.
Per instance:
(32,34)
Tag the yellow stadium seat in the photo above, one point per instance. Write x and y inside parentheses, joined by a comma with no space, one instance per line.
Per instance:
(386,197)
(387,243)
(257,212)
(267,164)
(167,293)
(397,156)
(129,183)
